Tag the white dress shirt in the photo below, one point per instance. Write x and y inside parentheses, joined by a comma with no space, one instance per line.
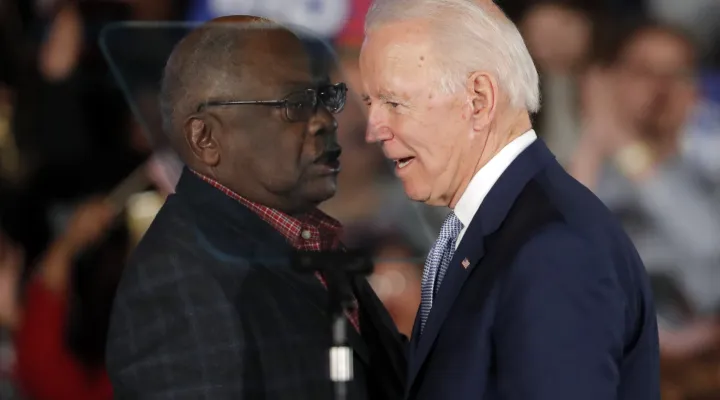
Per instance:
(485,179)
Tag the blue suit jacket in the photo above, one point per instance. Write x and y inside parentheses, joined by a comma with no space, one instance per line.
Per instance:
(554,303)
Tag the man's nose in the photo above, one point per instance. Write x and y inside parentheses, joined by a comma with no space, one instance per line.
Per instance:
(323,122)
(377,128)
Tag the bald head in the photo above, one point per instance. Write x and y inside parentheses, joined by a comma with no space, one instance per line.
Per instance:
(220,58)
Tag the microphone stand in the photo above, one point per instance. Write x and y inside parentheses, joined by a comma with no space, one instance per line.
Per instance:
(339,269)
(341,354)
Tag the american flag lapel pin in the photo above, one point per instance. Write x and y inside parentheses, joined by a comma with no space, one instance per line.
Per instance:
(465,263)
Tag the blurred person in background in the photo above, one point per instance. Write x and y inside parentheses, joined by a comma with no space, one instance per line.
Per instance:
(11,266)
(638,100)
(699,18)
(68,123)
(57,346)
(63,135)
(73,120)
(60,320)
(560,35)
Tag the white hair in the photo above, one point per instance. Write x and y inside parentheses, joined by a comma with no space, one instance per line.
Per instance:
(469,37)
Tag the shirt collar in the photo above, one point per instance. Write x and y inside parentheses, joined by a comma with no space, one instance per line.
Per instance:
(323,229)
(485,178)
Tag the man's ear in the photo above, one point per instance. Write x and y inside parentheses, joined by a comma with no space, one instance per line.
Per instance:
(483,90)
(202,140)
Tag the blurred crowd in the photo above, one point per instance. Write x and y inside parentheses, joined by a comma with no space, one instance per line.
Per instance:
(630,105)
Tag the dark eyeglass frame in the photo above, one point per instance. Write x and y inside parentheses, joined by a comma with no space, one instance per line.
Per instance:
(318,96)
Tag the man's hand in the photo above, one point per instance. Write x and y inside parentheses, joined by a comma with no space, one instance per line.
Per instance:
(604,126)
(11,261)
(606,136)
(87,224)
(85,227)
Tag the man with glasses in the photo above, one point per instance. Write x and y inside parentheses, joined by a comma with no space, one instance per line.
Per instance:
(210,307)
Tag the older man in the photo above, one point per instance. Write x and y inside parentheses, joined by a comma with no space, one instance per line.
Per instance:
(210,307)
(532,289)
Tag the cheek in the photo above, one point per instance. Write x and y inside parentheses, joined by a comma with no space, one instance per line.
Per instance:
(431,148)
(429,135)
(277,157)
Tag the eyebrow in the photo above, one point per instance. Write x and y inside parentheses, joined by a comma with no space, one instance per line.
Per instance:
(385,96)
(391,96)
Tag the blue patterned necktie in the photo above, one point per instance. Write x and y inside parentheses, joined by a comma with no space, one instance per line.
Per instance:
(437,263)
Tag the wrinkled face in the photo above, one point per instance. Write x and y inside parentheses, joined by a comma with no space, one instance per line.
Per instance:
(655,83)
(423,131)
(264,155)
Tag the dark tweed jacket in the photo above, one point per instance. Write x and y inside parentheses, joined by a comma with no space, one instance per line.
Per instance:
(209,308)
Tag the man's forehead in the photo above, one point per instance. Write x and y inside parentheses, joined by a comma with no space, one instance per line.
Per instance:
(397,44)
(271,67)
(411,34)
(658,44)
(259,62)
(394,57)
(264,81)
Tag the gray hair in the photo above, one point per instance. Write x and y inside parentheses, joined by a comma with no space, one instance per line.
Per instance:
(469,37)
(187,70)
(198,60)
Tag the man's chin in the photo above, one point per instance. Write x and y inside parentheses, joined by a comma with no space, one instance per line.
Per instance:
(414,193)
(321,191)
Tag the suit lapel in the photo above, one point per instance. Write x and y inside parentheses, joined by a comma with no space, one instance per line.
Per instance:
(471,250)
(467,256)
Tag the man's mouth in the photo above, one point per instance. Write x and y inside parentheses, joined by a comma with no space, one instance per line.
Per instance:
(333,164)
(330,159)
(401,163)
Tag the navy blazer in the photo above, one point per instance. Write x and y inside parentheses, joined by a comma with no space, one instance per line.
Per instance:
(546,298)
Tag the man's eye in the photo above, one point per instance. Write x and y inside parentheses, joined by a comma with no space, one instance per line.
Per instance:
(298,105)
(392,104)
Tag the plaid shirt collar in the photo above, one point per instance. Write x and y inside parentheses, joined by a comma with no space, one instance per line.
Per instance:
(312,231)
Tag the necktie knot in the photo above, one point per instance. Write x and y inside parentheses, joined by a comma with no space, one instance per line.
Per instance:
(451,227)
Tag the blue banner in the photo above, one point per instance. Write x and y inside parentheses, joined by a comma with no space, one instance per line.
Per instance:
(323,17)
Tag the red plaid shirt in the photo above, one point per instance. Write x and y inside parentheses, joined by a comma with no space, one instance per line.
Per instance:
(313,231)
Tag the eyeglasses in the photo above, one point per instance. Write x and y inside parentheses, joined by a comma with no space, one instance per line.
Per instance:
(299,106)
